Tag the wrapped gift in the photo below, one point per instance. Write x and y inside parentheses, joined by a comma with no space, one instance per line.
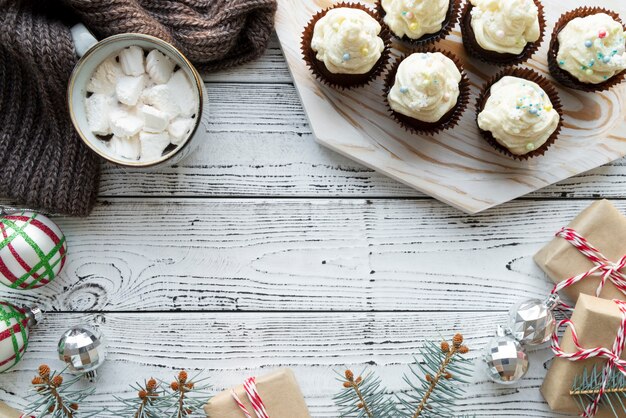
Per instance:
(601,226)
(7,412)
(277,393)
(597,324)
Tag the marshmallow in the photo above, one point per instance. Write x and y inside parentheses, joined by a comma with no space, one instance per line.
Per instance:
(184,94)
(128,89)
(153,145)
(98,108)
(125,124)
(154,119)
(159,67)
(131,60)
(103,80)
(179,129)
(161,97)
(126,147)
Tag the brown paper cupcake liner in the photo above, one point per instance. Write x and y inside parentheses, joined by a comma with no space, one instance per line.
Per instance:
(343,81)
(491,57)
(452,16)
(545,84)
(564,77)
(447,121)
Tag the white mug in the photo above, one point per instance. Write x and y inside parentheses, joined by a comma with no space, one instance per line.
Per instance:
(92,53)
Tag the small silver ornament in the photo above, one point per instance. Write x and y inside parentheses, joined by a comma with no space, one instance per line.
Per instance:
(532,321)
(83,349)
(506,360)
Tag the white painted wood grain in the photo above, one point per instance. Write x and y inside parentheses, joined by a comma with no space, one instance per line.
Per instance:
(261,144)
(231,347)
(300,254)
(456,166)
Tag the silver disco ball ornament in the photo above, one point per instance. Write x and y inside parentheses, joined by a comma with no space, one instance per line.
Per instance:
(506,360)
(83,349)
(532,321)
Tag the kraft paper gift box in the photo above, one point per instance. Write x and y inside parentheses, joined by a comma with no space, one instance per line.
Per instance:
(597,322)
(604,227)
(279,391)
(7,412)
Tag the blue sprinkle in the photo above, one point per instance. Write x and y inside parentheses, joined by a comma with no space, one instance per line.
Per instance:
(592,62)
(404,89)
(588,44)
(533,111)
(606,60)
(561,62)
(614,52)
(606,77)
(346,57)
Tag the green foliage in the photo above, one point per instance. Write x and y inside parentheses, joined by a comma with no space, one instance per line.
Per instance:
(364,397)
(440,400)
(586,386)
(54,399)
(433,386)
(181,398)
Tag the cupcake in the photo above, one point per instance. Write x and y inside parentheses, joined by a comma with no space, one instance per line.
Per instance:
(345,45)
(427,92)
(519,113)
(587,51)
(419,22)
(502,31)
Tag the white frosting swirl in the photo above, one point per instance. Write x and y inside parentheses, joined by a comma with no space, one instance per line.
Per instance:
(505,26)
(346,40)
(415,18)
(426,86)
(592,49)
(519,115)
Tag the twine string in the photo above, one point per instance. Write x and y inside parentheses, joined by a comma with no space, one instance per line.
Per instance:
(254,398)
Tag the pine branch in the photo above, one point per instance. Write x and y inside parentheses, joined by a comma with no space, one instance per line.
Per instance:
(56,398)
(587,386)
(363,397)
(186,396)
(435,392)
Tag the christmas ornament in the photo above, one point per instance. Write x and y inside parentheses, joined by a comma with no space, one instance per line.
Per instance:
(83,349)
(15,324)
(32,249)
(506,360)
(532,321)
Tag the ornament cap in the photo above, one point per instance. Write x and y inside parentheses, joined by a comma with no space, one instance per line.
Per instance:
(34,315)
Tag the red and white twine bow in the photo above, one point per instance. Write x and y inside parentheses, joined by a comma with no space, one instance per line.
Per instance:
(254,397)
(613,356)
(606,269)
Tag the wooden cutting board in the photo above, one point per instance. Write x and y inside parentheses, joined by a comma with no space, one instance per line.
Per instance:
(457,167)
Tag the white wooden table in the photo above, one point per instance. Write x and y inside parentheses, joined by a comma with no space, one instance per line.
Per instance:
(267,250)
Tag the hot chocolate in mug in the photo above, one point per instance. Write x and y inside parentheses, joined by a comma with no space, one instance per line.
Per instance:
(92,53)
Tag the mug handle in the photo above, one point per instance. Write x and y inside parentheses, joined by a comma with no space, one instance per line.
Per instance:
(83,39)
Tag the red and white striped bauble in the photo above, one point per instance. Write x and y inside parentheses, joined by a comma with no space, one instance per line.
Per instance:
(14,324)
(32,250)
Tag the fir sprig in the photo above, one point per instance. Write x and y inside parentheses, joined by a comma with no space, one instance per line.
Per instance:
(587,386)
(432,381)
(181,398)
(363,397)
(55,397)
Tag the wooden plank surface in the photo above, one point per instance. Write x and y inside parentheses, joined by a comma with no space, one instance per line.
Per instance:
(295,254)
(230,347)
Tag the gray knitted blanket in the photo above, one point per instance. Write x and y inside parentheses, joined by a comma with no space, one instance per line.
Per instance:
(43,163)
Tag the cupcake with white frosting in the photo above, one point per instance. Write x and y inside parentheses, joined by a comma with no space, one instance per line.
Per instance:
(502,31)
(427,92)
(345,45)
(519,113)
(588,49)
(419,22)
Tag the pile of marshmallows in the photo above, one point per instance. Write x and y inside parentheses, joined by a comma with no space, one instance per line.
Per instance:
(138,107)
